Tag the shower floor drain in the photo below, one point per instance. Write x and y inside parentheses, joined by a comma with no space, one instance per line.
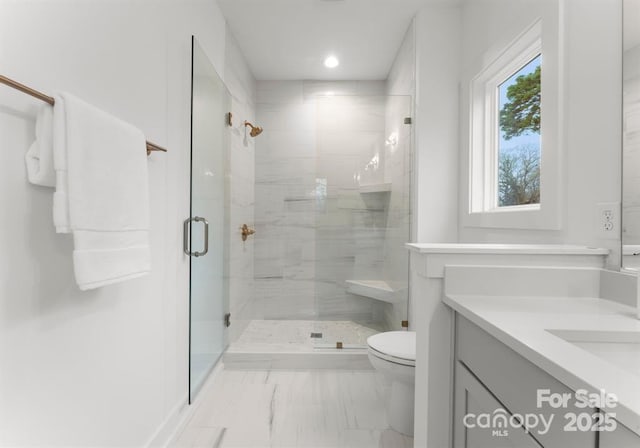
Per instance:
(316,335)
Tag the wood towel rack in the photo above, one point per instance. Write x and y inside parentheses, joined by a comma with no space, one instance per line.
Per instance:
(47,99)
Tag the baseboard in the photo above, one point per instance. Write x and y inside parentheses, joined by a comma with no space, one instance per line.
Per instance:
(173,425)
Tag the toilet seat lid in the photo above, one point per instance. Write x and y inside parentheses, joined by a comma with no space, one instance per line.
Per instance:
(397,344)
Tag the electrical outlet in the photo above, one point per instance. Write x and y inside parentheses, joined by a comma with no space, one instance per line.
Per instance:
(608,220)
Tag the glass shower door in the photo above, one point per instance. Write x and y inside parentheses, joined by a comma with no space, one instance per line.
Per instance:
(205,229)
(362,217)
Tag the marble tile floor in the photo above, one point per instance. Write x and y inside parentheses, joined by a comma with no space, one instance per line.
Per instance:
(301,409)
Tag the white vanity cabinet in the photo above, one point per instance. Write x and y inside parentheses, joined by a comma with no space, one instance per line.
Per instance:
(491,378)
(432,318)
(474,400)
(620,438)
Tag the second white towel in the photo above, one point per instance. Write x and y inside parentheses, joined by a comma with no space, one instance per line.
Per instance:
(39,157)
(101,193)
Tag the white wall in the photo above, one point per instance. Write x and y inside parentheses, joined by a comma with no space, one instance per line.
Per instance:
(435,218)
(445,45)
(401,79)
(437,34)
(591,120)
(105,367)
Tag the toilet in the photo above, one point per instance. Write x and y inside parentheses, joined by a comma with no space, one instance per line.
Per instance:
(393,353)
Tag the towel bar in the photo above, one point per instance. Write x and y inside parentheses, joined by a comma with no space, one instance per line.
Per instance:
(47,99)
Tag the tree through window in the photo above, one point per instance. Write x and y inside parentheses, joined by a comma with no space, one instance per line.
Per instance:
(519,137)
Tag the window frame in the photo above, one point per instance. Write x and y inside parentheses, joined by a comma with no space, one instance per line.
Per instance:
(482,209)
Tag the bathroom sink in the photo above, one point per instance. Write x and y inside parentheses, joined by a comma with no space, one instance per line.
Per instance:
(621,348)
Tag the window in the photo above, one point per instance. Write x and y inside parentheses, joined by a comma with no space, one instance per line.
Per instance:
(514,137)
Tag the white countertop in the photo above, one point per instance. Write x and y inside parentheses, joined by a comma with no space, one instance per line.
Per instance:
(524,249)
(521,323)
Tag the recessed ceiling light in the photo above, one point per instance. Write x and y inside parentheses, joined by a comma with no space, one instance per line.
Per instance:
(331,62)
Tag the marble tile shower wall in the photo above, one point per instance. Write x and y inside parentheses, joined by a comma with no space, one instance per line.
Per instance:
(350,227)
(285,202)
(315,230)
(241,165)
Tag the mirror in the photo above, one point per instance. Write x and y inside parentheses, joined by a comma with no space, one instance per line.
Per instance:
(631,135)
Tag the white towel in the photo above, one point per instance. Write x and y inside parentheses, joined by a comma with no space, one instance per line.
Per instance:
(102,192)
(60,199)
(39,157)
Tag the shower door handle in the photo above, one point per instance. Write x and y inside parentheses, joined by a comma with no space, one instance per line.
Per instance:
(185,241)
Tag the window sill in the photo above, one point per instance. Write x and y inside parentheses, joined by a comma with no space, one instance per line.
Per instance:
(525,217)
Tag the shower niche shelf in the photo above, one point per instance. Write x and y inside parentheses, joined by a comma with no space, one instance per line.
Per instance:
(374,289)
(375,188)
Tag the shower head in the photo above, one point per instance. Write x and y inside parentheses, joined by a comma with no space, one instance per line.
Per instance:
(255,130)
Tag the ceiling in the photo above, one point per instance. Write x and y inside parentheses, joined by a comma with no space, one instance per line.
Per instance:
(289,39)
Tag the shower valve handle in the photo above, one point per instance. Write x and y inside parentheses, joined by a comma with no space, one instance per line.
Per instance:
(246,232)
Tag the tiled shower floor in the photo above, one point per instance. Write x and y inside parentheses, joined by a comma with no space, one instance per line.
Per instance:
(295,335)
(288,344)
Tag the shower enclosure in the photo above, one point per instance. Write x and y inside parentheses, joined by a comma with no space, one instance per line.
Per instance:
(206,229)
(332,215)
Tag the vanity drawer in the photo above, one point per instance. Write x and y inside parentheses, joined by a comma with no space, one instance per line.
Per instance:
(473,399)
(622,437)
(514,381)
